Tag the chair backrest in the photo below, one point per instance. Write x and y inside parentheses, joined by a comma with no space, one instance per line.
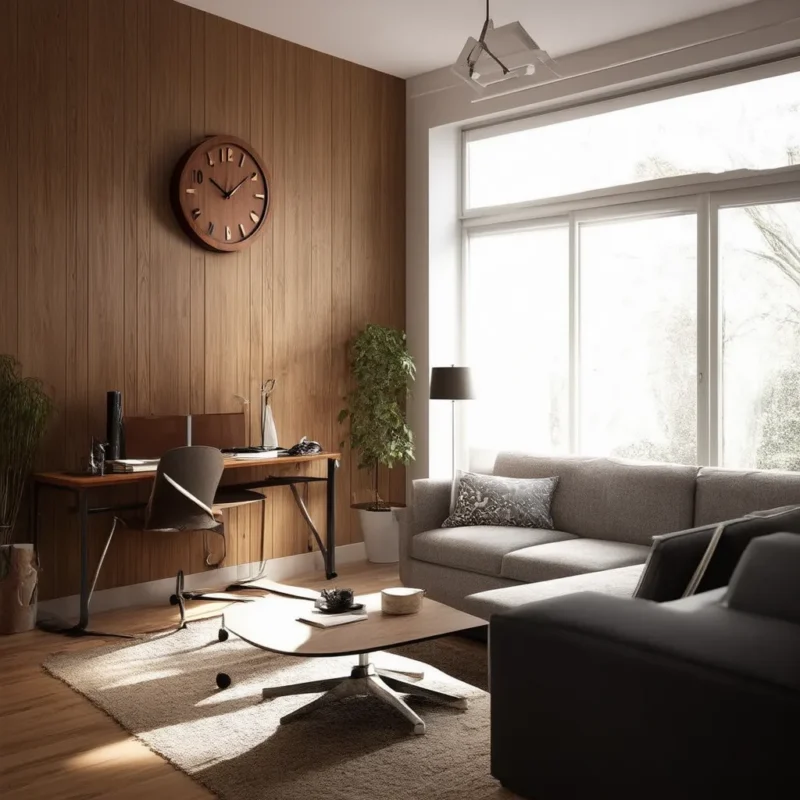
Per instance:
(151,437)
(184,489)
(219,430)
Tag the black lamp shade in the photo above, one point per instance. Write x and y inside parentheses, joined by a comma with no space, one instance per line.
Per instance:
(451,383)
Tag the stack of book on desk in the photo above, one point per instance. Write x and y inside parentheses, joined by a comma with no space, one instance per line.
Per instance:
(123,465)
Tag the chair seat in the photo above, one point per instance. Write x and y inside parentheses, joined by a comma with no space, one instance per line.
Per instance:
(230,497)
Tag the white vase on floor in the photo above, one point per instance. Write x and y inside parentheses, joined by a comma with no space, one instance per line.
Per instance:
(381,530)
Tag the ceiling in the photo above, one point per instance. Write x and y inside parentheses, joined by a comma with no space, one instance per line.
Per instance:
(409,37)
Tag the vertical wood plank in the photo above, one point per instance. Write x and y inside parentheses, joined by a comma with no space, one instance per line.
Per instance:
(197,403)
(42,222)
(130,174)
(143,210)
(319,325)
(9,178)
(66,542)
(170,251)
(341,323)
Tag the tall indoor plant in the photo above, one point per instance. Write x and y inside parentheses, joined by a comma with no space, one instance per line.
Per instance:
(25,409)
(382,370)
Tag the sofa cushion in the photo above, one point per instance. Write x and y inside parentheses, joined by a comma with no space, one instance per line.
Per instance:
(724,494)
(478,548)
(605,498)
(494,500)
(617,582)
(671,562)
(549,562)
(675,559)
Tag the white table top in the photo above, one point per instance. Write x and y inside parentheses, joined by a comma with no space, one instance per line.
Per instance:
(271,623)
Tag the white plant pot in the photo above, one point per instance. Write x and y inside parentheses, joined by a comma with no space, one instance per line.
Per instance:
(381,531)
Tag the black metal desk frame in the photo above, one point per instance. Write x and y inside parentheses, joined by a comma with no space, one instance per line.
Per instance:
(85,509)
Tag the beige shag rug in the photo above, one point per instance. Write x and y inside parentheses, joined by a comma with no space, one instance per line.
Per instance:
(163,691)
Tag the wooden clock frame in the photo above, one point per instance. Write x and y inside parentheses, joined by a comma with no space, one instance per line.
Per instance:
(183,187)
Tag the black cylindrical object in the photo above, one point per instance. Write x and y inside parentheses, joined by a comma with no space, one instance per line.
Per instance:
(113,425)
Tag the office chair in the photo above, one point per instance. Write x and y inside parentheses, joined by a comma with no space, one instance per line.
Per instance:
(182,499)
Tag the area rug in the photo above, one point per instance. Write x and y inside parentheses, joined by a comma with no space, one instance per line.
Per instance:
(163,690)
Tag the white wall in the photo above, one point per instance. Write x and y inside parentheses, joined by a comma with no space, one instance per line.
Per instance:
(439,105)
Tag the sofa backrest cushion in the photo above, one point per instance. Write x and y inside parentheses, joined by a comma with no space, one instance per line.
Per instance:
(727,494)
(606,498)
(721,563)
(671,563)
(681,561)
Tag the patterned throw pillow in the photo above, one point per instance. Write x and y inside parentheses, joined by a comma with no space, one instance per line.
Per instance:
(492,500)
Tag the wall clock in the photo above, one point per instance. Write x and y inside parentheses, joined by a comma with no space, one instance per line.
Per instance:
(220,194)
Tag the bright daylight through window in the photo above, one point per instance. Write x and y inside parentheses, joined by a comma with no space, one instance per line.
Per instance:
(660,329)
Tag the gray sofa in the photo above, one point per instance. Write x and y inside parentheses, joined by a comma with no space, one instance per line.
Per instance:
(610,517)
(698,698)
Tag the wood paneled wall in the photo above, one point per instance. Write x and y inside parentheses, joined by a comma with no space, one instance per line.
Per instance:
(100,289)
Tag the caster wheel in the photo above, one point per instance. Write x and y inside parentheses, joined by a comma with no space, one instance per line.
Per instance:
(223,680)
(173,600)
(223,635)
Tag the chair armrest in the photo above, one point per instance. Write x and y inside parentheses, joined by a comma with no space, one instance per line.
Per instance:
(428,509)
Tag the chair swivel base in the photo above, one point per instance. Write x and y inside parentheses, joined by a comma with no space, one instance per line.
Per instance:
(365,679)
(181,596)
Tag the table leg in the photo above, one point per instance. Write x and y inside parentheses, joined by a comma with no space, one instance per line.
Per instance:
(330,555)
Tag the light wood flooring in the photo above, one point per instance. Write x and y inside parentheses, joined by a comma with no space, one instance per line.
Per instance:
(54,744)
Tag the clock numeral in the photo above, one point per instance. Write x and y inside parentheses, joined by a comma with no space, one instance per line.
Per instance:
(241,230)
(259,196)
(254,176)
(210,159)
(196,213)
(210,228)
(197,176)
(227,234)
(190,191)
(225,154)
(241,160)
(254,216)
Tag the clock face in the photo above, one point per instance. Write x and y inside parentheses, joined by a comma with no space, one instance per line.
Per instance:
(220,193)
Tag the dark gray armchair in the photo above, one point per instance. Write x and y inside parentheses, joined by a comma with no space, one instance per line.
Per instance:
(598,696)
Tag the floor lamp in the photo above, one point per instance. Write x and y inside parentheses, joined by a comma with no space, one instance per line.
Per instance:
(452,383)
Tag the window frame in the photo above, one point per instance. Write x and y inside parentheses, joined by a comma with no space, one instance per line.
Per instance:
(702,194)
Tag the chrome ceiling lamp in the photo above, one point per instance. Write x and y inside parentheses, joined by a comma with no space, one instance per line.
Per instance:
(502,60)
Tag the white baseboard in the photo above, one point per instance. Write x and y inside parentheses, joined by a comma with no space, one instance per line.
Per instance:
(158,592)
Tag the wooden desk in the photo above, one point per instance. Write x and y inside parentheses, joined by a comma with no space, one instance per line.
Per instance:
(84,485)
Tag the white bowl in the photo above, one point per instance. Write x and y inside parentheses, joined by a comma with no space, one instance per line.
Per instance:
(401,600)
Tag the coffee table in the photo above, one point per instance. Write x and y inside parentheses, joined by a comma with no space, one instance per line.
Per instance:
(271,623)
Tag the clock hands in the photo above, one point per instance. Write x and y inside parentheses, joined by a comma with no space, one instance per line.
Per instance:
(230,193)
(224,193)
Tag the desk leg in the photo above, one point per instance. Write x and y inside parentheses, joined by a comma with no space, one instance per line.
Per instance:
(34,520)
(330,554)
(83,523)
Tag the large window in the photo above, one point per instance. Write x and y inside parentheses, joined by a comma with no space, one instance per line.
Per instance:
(638,336)
(662,326)
(519,340)
(754,125)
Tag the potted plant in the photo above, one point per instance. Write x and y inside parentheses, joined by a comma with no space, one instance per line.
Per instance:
(25,409)
(382,369)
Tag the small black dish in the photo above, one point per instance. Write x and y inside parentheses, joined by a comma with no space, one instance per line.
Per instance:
(321,605)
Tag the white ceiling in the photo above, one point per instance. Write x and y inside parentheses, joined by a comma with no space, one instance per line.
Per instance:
(409,37)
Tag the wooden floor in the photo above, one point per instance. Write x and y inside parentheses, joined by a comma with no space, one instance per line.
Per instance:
(54,744)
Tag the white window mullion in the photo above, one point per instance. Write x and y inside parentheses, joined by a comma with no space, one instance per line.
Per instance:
(574,335)
(714,340)
(704,434)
